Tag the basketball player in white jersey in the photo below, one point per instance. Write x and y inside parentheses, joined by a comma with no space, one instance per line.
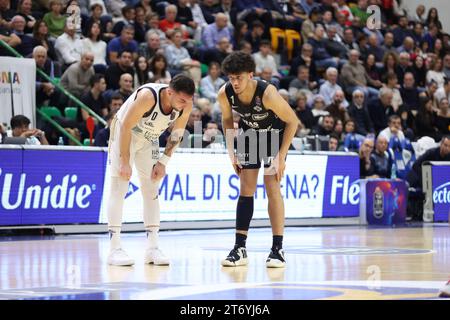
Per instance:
(135,132)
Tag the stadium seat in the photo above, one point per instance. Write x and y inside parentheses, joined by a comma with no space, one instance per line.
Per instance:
(218,139)
(278,37)
(293,43)
(195,137)
(409,155)
(297,143)
(352,142)
(71,113)
(204,69)
(403,154)
(51,111)
(87,142)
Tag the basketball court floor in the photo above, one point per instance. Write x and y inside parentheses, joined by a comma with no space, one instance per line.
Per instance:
(345,262)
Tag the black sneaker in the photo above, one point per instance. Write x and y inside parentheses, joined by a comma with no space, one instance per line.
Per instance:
(276,259)
(236,257)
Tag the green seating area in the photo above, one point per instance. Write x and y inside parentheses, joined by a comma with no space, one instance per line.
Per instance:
(51,111)
(71,113)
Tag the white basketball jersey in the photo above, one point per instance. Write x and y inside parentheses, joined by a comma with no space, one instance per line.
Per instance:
(154,122)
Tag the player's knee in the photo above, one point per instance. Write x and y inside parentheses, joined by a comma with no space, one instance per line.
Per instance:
(272,186)
(150,187)
(273,191)
(247,190)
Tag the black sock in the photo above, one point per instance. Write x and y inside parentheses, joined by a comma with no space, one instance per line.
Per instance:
(244,213)
(277,242)
(240,240)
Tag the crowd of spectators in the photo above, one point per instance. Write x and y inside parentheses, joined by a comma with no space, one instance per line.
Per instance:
(345,81)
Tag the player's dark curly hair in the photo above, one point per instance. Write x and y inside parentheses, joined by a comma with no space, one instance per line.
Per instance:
(182,83)
(238,62)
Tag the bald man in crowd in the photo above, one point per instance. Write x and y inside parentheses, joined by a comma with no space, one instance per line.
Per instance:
(77,77)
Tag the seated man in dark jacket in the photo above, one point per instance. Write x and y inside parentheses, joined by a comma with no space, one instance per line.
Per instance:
(410,93)
(381,159)
(441,153)
(359,113)
(366,165)
(322,57)
(44,89)
(380,109)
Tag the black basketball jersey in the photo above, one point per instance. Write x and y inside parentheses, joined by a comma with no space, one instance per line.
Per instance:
(255,115)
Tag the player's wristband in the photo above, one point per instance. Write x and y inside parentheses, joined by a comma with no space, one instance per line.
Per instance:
(164,159)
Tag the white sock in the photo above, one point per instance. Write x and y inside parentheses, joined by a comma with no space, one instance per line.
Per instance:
(152,234)
(118,190)
(114,237)
(151,212)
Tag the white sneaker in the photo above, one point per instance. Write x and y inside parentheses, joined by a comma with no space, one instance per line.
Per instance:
(156,257)
(276,259)
(236,257)
(445,291)
(118,257)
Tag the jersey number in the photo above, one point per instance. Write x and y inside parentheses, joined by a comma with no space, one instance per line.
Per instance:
(154,115)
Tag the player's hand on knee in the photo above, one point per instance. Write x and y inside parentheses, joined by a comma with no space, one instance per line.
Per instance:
(125,171)
(280,167)
(237,169)
(277,168)
(236,165)
(159,171)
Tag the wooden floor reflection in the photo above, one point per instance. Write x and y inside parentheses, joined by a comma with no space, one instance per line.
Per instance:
(322,263)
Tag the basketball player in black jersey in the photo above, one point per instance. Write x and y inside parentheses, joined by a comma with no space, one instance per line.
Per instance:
(267,127)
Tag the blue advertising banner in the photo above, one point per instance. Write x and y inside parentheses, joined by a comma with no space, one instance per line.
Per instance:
(42,186)
(53,187)
(10,170)
(341,191)
(441,192)
(386,201)
(203,186)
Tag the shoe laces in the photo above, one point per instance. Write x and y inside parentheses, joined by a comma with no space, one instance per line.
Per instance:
(158,252)
(277,253)
(120,251)
(234,254)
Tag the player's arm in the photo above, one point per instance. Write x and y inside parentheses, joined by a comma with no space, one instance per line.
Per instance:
(273,101)
(177,132)
(227,121)
(228,127)
(144,100)
(159,169)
